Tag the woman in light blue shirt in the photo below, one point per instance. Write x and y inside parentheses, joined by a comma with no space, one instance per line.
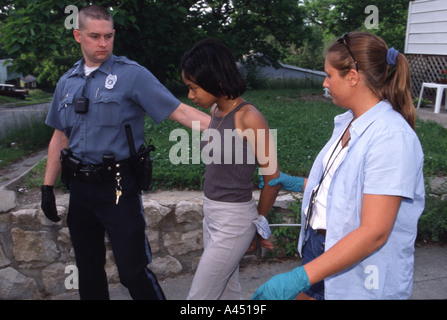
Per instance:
(365,192)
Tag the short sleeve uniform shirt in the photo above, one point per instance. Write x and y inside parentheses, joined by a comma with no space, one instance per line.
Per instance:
(120,92)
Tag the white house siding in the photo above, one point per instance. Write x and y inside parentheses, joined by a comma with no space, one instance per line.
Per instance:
(427,27)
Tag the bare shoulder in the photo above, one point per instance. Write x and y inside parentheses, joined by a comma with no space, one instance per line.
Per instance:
(249,117)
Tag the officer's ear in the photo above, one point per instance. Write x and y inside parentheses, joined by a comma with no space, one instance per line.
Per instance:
(77,35)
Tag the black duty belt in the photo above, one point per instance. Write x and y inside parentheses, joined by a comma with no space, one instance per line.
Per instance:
(99,173)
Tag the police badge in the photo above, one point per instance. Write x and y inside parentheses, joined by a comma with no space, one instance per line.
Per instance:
(110,81)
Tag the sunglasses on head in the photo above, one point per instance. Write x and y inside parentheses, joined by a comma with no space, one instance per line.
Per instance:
(343,40)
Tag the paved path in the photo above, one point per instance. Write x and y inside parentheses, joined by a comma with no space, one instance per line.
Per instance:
(428,114)
(429,282)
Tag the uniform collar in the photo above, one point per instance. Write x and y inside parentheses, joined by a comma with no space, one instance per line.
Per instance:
(105,67)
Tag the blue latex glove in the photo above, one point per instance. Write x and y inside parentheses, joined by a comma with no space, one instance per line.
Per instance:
(284,286)
(288,183)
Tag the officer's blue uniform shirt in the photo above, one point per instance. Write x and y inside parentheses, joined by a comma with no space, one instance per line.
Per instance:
(384,157)
(120,92)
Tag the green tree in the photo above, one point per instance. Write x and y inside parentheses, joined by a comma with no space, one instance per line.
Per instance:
(247,25)
(327,20)
(35,27)
(33,34)
(154,33)
(165,30)
(337,17)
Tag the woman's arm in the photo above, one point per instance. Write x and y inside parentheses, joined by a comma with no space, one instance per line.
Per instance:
(262,143)
(378,215)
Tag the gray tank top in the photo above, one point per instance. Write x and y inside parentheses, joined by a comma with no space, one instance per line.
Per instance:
(230,164)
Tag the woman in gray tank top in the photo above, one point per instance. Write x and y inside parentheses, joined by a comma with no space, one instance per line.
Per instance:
(236,143)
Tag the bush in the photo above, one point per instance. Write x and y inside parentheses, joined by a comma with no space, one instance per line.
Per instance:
(286,237)
(432,225)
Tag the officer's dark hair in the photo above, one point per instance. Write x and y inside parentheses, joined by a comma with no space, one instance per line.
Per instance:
(212,66)
(93,12)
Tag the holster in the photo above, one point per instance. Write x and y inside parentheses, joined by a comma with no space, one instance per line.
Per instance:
(141,161)
(142,166)
(70,165)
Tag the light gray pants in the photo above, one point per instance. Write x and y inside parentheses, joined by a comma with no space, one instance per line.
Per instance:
(228,230)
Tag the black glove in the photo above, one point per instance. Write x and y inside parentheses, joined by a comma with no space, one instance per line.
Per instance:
(48,203)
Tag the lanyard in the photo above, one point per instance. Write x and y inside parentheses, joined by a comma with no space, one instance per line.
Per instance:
(325,173)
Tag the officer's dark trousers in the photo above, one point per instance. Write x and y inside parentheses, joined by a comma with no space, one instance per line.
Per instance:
(92,213)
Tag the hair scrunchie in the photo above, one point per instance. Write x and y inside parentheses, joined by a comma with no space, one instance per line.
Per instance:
(391,57)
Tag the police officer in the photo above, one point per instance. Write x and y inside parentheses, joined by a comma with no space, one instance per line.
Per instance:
(92,104)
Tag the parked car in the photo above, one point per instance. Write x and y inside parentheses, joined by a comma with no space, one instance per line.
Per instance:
(11,91)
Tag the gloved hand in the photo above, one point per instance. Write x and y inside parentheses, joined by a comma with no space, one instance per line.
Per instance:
(284,286)
(48,203)
(288,183)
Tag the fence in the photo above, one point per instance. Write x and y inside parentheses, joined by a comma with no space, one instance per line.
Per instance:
(425,68)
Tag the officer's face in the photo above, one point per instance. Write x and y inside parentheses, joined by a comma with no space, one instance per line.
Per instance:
(96,39)
(199,96)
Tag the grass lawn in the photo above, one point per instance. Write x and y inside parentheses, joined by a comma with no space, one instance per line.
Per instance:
(303,127)
(304,124)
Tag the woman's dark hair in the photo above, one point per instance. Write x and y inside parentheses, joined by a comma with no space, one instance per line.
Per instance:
(212,66)
(367,53)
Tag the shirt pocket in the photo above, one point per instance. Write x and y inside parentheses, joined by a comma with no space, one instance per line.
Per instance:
(67,115)
(108,107)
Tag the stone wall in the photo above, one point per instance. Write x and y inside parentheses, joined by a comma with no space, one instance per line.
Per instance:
(37,260)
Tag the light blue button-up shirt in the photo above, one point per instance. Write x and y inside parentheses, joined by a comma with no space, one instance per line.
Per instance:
(384,157)
(120,92)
